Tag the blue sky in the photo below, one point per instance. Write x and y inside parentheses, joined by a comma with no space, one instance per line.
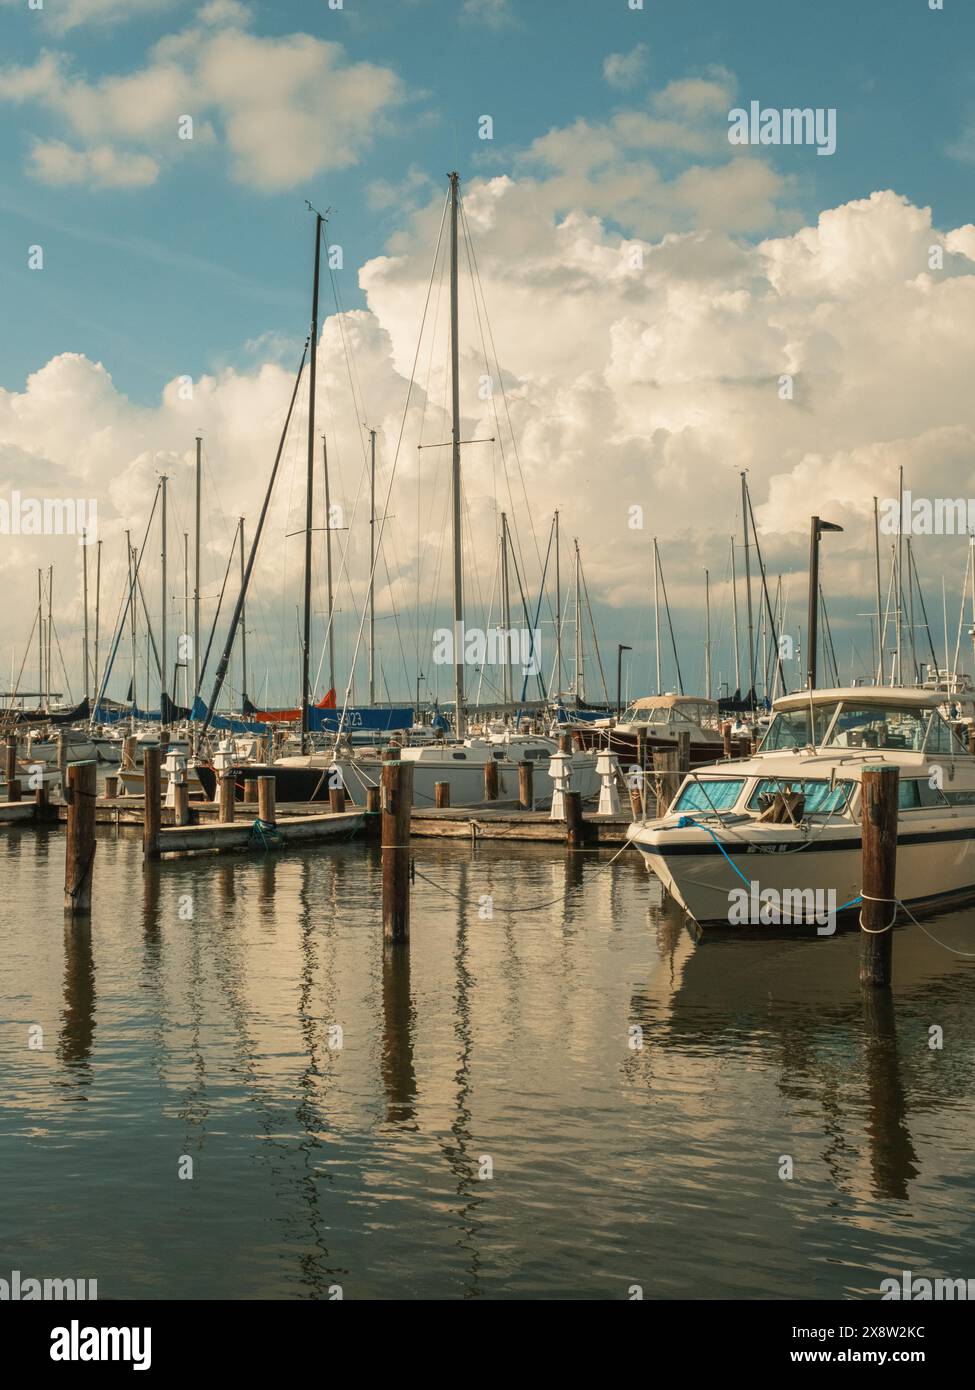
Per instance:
(177,277)
(650,387)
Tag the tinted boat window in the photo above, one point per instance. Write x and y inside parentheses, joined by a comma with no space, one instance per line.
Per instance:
(710,792)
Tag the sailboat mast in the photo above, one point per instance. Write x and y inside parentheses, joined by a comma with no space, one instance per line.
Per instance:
(50,625)
(196,574)
(880,624)
(734,605)
(455,471)
(243,622)
(707,637)
(656,611)
(558,610)
(580,681)
(748,591)
(309,489)
(98,605)
(84,567)
(328,569)
(898,587)
(128,551)
(505,612)
(40,636)
(186,617)
(164,658)
(372,567)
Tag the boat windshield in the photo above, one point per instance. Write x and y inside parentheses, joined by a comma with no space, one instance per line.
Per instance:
(893,726)
(634,715)
(819,798)
(709,794)
(790,728)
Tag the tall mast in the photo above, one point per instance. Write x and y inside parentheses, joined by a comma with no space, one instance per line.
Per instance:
(707,639)
(196,575)
(328,569)
(580,681)
(243,623)
(84,568)
(558,611)
(50,627)
(98,605)
(880,623)
(186,618)
(748,591)
(309,488)
(505,612)
(459,723)
(132,611)
(40,636)
(734,605)
(898,587)
(656,612)
(164,651)
(372,567)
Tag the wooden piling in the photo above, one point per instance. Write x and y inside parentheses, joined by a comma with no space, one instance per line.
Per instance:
(667,778)
(129,745)
(441,795)
(336,798)
(565,743)
(397,801)
(111,788)
(266,809)
(250,789)
(491,780)
(878,820)
(181,803)
(226,791)
(526,785)
(683,753)
(726,738)
(42,800)
(636,795)
(152,800)
(574,831)
(79,856)
(641,749)
(10,770)
(373,816)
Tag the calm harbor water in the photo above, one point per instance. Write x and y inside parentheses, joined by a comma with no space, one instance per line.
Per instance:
(199,1017)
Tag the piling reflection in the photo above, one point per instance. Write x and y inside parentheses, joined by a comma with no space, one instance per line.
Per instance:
(893,1161)
(399,1077)
(77,1029)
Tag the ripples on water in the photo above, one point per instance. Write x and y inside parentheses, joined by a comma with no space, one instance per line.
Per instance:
(504,1039)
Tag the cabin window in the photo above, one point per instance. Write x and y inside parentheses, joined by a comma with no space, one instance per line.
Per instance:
(917,793)
(459,755)
(790,728)
(820,798)
(709,793)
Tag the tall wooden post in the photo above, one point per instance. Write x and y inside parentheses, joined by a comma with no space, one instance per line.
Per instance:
(111,788)
(250,789)
(491,780)
(266,809)
(683,754)
(574,831)
(878,820)
(79,855)
(441,795)
(726,738)
(226,791)
(397,800)
(526,785)
(181,803)
(336,798)
(129,745)
(152,799)
(10,769)
(667,778)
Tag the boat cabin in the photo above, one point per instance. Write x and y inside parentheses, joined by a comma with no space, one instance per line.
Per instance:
(862,718)
(670,714)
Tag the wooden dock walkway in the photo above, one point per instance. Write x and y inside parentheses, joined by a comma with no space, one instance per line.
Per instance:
(223,837)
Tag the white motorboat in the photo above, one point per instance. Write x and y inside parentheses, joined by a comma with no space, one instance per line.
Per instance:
(462,765)
(788,819)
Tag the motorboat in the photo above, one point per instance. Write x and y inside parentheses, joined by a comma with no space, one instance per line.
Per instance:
(660,719)
(787,819)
